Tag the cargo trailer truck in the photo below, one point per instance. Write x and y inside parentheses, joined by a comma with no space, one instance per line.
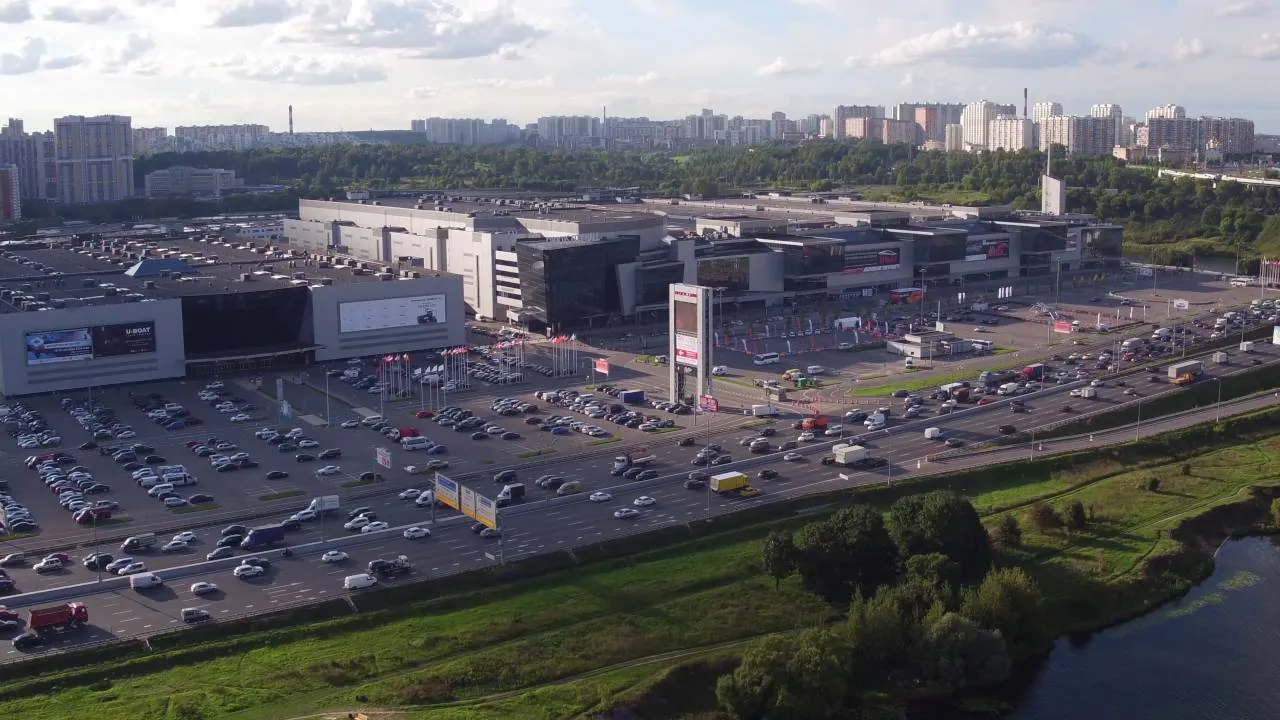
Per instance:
(68,616)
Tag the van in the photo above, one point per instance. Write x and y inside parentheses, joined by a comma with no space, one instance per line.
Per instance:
(771,358)
(933,433)
(413,441)
(909,364)
(137,542)
(764,411)
(156,490)
(145,581)
(359,582)
(815,370)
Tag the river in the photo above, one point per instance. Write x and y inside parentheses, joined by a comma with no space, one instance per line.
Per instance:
(1214,655)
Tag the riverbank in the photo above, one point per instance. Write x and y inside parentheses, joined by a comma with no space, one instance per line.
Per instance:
(653,631)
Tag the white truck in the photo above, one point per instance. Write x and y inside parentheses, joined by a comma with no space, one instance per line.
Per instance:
(325,504)
(622,462)
(854,456)
(1088,392)
(764,411)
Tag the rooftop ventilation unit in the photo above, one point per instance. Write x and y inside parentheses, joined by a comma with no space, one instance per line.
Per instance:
(384,277)
(149,284)
(326,281)
(109,291)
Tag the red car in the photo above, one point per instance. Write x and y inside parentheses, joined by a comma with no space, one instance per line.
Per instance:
(423,414)
(7,614)
(65,558)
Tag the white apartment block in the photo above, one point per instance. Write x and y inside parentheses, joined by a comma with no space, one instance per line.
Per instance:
(976,120)
(953,138)
(95,158)
(1014,134)
(465,131)
(1042,110)
(10,194)
(223,137)
(1168,112)
(1116,114)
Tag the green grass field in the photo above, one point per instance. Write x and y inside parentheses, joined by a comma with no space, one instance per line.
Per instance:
(578,642)
(921,379)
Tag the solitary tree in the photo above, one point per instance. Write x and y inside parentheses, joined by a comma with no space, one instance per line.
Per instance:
(1075,515)
(1009,533)
(779,556)
(1045,517)
(941,522)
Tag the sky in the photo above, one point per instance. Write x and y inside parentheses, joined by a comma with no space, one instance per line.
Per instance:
(376,64)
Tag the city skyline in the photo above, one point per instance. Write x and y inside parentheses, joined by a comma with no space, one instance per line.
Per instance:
(171,63)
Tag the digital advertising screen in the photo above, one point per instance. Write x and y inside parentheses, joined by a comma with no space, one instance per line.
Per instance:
(364,315)
(985,249)
(860,260)
(59,346)
(124,339)
(686,317)
(687,350)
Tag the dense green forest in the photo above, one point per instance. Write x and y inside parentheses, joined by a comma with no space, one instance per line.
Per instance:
(1167,220)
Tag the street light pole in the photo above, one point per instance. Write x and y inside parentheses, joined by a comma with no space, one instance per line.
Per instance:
(328,418)
(1137,429)
(1217,412)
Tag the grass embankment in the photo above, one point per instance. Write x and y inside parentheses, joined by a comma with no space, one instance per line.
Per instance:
(653,634)
(923,379)
(281,495)
(188,509)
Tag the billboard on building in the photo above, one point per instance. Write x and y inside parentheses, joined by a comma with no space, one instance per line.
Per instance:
(447,491)
(861,260)
(99,341)
(986,248)
(364,315)
(601,365)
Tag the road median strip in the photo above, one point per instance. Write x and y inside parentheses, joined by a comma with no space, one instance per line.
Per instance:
(281,495)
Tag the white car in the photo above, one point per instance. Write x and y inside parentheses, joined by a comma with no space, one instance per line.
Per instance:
(49,564)
(308,444)
(600,497)
(626,513)
(643,501)
(793,457)
(329,470)
(174,546)
(203,588)
(215,385)
(350,424)
(264,433)
(417,533)
(356,523)
(174,502)
(410,494)
(241,418)
(807,437)
(185,536)
(375,526)
(248,571)
(437,464)
(126,435)
(304,515)
(720,370)
(132,568)
(334,556)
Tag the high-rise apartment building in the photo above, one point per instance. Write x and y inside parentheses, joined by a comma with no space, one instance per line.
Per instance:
(779,126)
(95,158)
(1014,134)
(953,137)
(150,140)
(1232,136)
(844,112)
(21,150)
(1180,134)
(886,130)
(466,131)
(1087,136)
(1167,112)
(569,131)
(222,137)
(1116,114)
(933,118)
(46,144)
(976,121)
(930,127)
(1047,108)
(10,194)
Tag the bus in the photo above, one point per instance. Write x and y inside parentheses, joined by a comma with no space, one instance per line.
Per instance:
(766,359)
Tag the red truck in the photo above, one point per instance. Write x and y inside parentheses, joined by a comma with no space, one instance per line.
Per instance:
(68,616)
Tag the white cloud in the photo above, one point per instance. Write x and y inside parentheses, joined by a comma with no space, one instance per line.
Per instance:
(251,13)
(1267,49)
(307,69)
(1248,8)
(83,14)
(1016,45)
(30,56)
(434,29)
(423,93)
(498,83)
(14,12)
(780,67)
(1192,49)
(127,55)
(642,79)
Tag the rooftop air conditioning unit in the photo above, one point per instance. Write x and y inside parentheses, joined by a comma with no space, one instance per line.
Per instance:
(149,284)
(246,277)
(109,291)
(326,281)
(384,277)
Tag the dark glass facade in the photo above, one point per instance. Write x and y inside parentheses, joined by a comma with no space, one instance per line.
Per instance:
(733,274)
(652,283)
(1042,240)
(564,283)
(244,322)
(812,259)
(937,248)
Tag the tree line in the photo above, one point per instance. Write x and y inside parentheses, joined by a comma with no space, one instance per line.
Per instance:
(1156,211)
(927,614)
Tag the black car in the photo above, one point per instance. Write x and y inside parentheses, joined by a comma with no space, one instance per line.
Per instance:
(331,454)
(479,436)
(695,483)
(27,640)
(234,530)
(143,448)
(1007,429)
(155,460)
(768,432)
(304,457)
(277,475)
(263,563)
(510,436)
(291,525)
(767,474)
(230,541)
(97,488)
(368,476)
(125,458)
(204,451)
(88,445)
(199,499)
(131,467)
(478,528)
(226,467)
(647,475)
(246,463)
(357,512)
(97,560)
(286,447)
(686,442)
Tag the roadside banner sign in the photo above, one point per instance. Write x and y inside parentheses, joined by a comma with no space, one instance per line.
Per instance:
(486,511)
(1181,305)
(468,497)
(1061,326)
(601,365)
(709,403)
(384,457)
(447,491)
(1275,335)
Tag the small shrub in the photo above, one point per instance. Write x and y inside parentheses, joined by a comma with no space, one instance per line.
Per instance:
(1009,533)
(1186,469)
(1076,516)
(1044,517)
(1153,484)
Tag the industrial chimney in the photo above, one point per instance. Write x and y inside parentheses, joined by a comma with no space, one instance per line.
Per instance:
(1025,115)
(290,119)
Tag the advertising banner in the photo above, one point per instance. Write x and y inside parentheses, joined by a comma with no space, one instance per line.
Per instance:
(447,491)
(686,317)
(1062,326)
(708,403)
(1275,335)
(384,457)
(1181,305)
(124,339)
(687,350)
(468,498)
(59,346)
(601,366)
(906,295)
(860,260)
(364,315)
(486,511)
(980,248)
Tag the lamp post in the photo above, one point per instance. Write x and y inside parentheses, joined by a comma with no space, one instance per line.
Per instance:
(1217,411)
(1137,429)
(328,418)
